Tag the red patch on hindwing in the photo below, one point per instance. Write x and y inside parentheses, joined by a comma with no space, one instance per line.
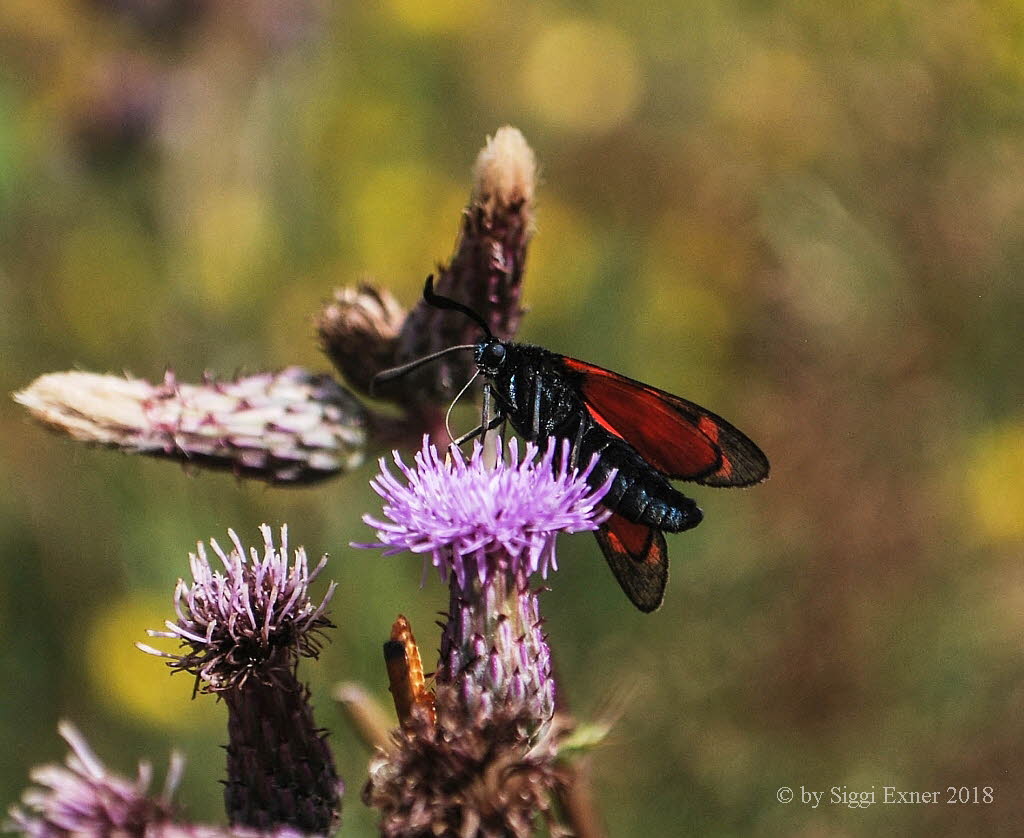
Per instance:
(638,557)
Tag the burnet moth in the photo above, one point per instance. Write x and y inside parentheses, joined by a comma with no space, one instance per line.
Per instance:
(646,435)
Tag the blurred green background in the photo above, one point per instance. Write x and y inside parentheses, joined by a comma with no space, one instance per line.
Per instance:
(808,217)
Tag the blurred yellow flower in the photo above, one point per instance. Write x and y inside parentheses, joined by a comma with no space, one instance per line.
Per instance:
(233,236)
(130,682)
(436,16)
(778,107)
(582,75)
(563,258)
(996,482)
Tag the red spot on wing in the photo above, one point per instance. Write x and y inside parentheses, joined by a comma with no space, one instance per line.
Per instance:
(709,428)
(638,557)
(680,439)
(632,539)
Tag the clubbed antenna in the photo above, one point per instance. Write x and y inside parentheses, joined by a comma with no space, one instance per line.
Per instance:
(438,301)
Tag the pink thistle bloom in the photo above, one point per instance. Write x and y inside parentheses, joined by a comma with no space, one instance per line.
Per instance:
(469,516)
(251,617)
(84,799)
(243,623)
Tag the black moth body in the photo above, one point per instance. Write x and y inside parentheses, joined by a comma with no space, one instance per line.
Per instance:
(537,394)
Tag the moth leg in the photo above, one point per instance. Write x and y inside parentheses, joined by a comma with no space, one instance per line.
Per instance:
(479,429)
(502,432)
(536,409)
(574,455)
(485,411)
(448,413)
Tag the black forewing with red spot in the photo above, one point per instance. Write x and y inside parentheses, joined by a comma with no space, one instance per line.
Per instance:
(638,557)
(682,440)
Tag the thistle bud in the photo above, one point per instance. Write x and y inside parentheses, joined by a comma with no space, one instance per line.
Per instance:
(288,427)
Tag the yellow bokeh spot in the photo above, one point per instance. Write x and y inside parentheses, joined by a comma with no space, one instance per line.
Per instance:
(691,242)
(131,682)
(435,16)
(583,76)
(777,105)
(676,302)
(233,237)
(562,262)
(996,482)
(407,219)
(104,252)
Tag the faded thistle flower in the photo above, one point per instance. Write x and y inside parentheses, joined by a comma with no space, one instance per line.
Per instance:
(485,272)
(83,798)
(243,627)
(358,331)
(472,774)
(285,427)
(484,766)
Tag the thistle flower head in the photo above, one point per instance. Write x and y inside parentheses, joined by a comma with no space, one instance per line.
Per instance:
(84,798)
(469,773)
(249,619)
(359,330)
(287,427)
(468,516)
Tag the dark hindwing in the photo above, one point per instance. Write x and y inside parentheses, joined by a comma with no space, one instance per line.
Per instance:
(682,440)
(638,557)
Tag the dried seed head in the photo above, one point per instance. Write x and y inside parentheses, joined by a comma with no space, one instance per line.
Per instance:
(473,773)
(359,331)
(505,173)
(485,273)
(405,673)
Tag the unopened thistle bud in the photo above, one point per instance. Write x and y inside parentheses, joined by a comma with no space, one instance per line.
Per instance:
(243,628)
(359,331)
(287,427)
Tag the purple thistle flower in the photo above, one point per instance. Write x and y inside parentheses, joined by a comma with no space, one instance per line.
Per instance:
(83,798)
(485,764)
(249,620)
(470,517)
(245,628)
